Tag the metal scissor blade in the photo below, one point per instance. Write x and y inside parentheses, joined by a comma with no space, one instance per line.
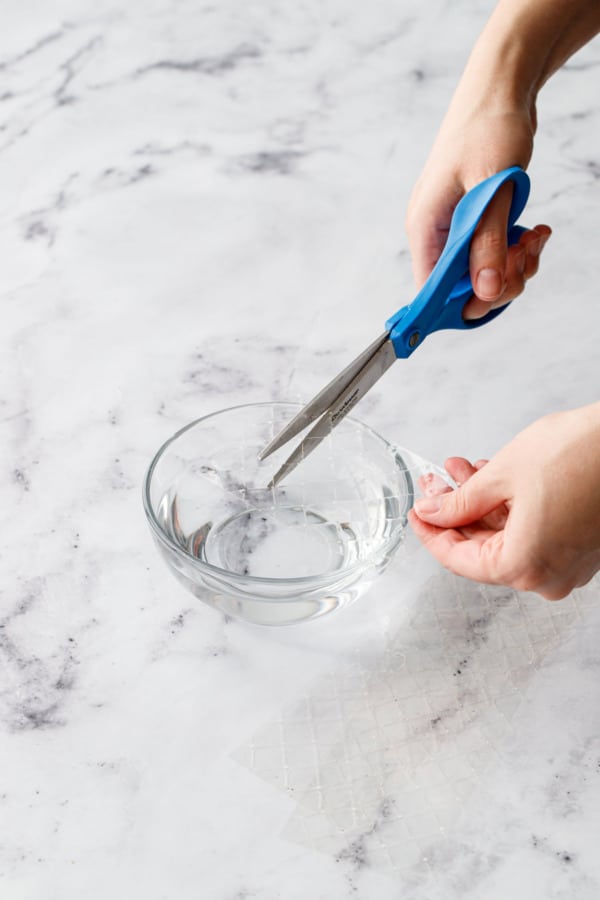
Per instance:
(324,399)
(372,370)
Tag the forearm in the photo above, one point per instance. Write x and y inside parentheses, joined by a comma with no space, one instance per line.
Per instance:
(522,45)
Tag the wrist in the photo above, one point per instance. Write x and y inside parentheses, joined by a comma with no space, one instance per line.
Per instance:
(502,77)
(524,43)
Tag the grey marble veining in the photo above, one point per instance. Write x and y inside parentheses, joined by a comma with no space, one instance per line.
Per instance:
(202,205)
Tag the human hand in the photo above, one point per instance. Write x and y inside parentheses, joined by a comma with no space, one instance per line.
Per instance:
(530,517)
(481,135)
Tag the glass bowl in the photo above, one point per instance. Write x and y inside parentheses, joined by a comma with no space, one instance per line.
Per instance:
(277,556)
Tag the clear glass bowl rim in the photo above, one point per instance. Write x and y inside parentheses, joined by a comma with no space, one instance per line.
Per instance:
(304,581)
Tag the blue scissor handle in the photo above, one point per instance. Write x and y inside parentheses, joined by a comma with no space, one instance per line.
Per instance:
(440,302)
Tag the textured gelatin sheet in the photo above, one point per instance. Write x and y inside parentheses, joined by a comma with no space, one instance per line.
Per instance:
(391,749)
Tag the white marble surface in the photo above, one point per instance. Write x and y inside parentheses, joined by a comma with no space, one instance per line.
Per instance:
(201,205)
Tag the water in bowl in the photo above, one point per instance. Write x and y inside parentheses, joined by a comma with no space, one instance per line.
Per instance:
(295,531)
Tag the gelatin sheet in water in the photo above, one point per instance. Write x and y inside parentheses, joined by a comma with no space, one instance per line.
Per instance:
(390,751)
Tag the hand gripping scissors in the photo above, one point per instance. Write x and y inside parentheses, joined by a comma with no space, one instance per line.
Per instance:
(438,305)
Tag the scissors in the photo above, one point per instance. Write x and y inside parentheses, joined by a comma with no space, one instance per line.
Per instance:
(438,305)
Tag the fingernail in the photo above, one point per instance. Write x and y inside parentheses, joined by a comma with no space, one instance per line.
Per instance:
(489,283)
(428,505)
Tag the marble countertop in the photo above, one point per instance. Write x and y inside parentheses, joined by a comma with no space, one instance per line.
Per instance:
(202,205)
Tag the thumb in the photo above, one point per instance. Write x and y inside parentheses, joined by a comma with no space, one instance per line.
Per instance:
(489,249)
(477,497)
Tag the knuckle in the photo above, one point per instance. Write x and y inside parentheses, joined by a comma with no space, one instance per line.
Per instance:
(456,502)
(490,238)
(534,576)
(525,582)
(531,267)
(489,243)
(416,211)
(514,288)
(518,571)
(555,593)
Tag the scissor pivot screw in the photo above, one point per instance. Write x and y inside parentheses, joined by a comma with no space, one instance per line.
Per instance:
(414,339)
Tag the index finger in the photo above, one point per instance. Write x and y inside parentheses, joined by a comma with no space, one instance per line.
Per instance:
(427,224)
(476,557)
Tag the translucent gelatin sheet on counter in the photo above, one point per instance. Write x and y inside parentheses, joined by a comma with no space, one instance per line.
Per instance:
(391,749)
